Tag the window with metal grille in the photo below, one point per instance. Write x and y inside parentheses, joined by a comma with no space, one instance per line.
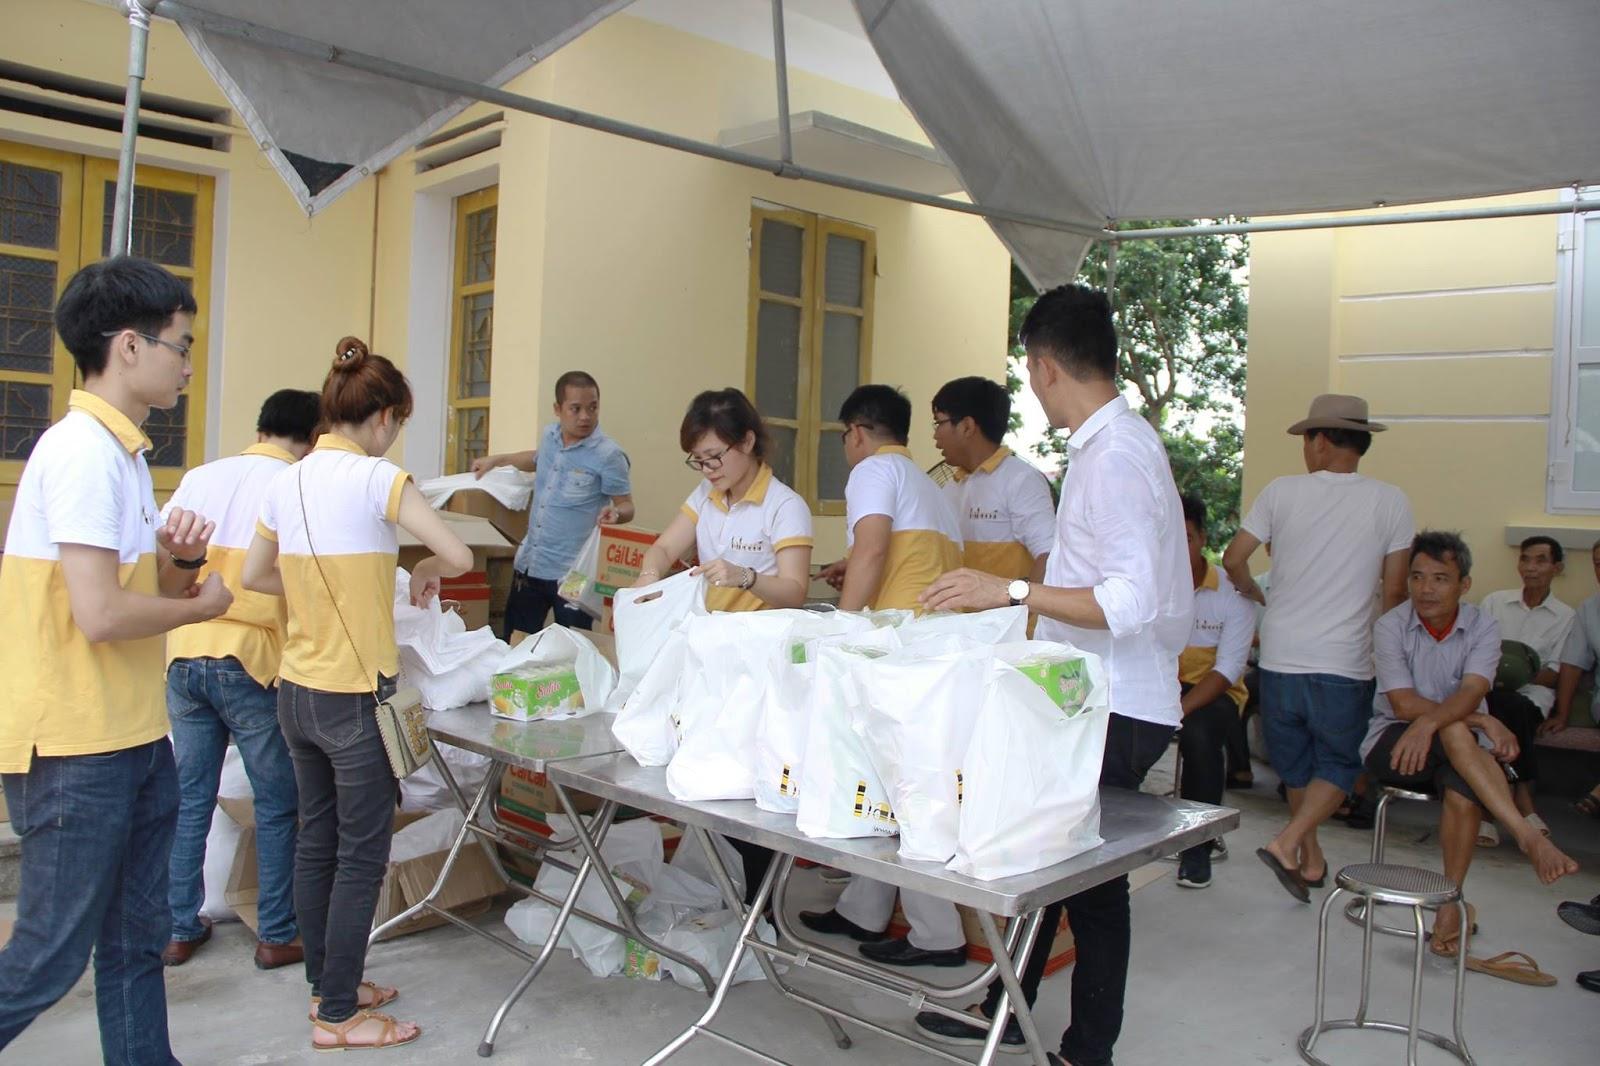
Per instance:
(472,328)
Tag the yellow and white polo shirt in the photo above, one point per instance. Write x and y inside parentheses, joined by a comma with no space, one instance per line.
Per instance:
(1006,514)
(230,492)
(768,518)
(925,537)
(85,483)
(1223,630)
(352,501)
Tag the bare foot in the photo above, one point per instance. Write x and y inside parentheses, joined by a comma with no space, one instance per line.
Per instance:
(1289,860)
(1549,861)
(1446,938)
(364,1029)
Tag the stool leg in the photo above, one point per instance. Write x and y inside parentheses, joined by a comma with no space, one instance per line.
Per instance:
(1416,988)
(1366,961)
(1380,829)
(1322,967)
(1461,975)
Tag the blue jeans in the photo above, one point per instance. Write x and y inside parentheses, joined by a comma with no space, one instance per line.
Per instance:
(96,836)
(207,699)
(347,800)
(1314,725)
(531,603)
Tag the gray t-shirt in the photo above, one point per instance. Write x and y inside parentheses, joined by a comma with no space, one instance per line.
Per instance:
(1583,643)
(1408,656)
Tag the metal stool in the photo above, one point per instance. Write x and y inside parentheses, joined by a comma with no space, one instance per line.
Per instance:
(1356,909)
(1406,886)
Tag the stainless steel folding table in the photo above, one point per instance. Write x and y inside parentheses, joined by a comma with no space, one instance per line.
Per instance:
(1137,829)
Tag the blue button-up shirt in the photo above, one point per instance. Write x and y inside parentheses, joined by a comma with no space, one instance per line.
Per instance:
(572,484)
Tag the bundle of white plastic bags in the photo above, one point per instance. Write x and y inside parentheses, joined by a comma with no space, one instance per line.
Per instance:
(979,748)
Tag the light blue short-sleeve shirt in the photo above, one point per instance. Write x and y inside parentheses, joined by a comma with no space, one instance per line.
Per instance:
(571,485)
(1583,641)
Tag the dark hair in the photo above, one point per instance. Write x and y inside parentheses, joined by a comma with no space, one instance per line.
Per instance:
(1443,547)
(1072,325)
(361,384)
(1355,440)
(290,413)
(729,414)
(574,379)
(116,294)
(1557,553)
(881,408)
(1194,511)
(985,402)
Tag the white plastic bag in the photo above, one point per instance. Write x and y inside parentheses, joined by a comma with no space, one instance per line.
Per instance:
(916,717)
(781,736)
(644,724)
(425,790)
(841,794)
(1031,779)
(510,486)
(578,586)
(425,836)
(222,842)
(998,626)
(691,859)
(556,644)
(643,618)
(709,939)
(444,661)
(732,659)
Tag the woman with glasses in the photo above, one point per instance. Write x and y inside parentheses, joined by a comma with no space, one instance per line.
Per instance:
(751,532)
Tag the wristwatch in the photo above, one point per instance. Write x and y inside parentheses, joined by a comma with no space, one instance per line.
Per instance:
(1018,591)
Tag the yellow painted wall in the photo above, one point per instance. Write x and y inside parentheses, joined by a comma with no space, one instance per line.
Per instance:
(1447,329)
(290,286)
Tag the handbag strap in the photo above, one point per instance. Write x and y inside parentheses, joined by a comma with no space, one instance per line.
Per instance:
(305,520)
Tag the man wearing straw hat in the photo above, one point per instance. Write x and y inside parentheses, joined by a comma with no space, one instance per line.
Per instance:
(1337,537)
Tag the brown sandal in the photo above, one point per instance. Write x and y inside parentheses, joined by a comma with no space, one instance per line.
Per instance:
(1514,966)
(387,1037)
(381,997)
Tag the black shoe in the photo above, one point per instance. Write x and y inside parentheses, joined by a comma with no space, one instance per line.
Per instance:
(902,952)
(1584,917)
(1589,979)
(1054,1059)
(950,1031)
(1194,869)
(835,923)
(1219,850)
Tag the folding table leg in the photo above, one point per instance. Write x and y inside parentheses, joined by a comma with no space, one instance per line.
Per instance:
(607,811)
(746,931)
(444,872)
(785,867)
(1012,999)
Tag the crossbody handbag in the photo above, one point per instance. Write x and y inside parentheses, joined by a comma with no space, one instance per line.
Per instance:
(402,720)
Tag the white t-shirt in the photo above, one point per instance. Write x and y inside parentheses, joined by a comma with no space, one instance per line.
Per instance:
(1329,535)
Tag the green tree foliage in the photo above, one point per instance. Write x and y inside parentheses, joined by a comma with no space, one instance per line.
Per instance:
(1181,312)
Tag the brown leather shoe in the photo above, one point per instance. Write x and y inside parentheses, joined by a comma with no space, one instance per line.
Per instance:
(272,956)
(178,952)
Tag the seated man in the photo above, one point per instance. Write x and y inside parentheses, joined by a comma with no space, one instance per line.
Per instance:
(1436,657)
(1530,616)
(1578,658)
(1211,670)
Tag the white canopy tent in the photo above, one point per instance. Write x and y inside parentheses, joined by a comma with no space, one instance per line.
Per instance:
(1060,119)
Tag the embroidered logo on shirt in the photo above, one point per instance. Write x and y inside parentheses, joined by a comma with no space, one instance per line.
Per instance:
(739,544)
(984,514)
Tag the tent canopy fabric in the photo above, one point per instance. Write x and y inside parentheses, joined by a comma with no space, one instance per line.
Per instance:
(1081,111)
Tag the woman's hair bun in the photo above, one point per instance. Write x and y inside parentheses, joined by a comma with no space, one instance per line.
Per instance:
(349,354)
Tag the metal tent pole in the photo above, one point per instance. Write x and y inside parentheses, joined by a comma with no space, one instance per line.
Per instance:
(780,62)
(1465,214)
(138,48)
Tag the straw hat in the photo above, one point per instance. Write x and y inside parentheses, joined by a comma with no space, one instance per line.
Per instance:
(1332,411)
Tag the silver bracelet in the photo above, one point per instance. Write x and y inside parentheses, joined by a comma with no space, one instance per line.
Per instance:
(749,582)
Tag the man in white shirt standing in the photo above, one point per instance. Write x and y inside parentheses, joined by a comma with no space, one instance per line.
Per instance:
(1531,616)
(1118,584)
(1335,536)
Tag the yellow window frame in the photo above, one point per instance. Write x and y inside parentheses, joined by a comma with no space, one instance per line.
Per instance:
(811,421)
(66,259)
(461,291)
(96,174)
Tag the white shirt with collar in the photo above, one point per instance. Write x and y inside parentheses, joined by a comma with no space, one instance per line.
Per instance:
(1119,532)
(1543,628)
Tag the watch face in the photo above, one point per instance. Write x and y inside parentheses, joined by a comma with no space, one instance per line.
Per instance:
(1018,590)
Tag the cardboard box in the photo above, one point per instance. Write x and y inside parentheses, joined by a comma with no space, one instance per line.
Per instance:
(1062,951)
(513,525)
(478,534)
(472,885)
(5,815)
(621,557)
(534,691)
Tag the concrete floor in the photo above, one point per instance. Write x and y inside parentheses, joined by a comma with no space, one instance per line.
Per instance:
(1218,978)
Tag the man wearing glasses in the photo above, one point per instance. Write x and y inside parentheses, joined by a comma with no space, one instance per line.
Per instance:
(580,478)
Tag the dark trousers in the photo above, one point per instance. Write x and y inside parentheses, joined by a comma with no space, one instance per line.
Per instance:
(96,839)
(1099,917)
(757,860)
(1203,741)
(1239,736)
(347,802)
(1522,716)
(531,603)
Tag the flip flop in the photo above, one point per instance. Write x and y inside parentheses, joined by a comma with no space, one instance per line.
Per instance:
(1290,879)
(1504,966)
(1447,948)
(1584,917)
(1539,823)
(1321,880)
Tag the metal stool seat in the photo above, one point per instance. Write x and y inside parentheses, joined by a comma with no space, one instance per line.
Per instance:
(1356,910)
(1407,886)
